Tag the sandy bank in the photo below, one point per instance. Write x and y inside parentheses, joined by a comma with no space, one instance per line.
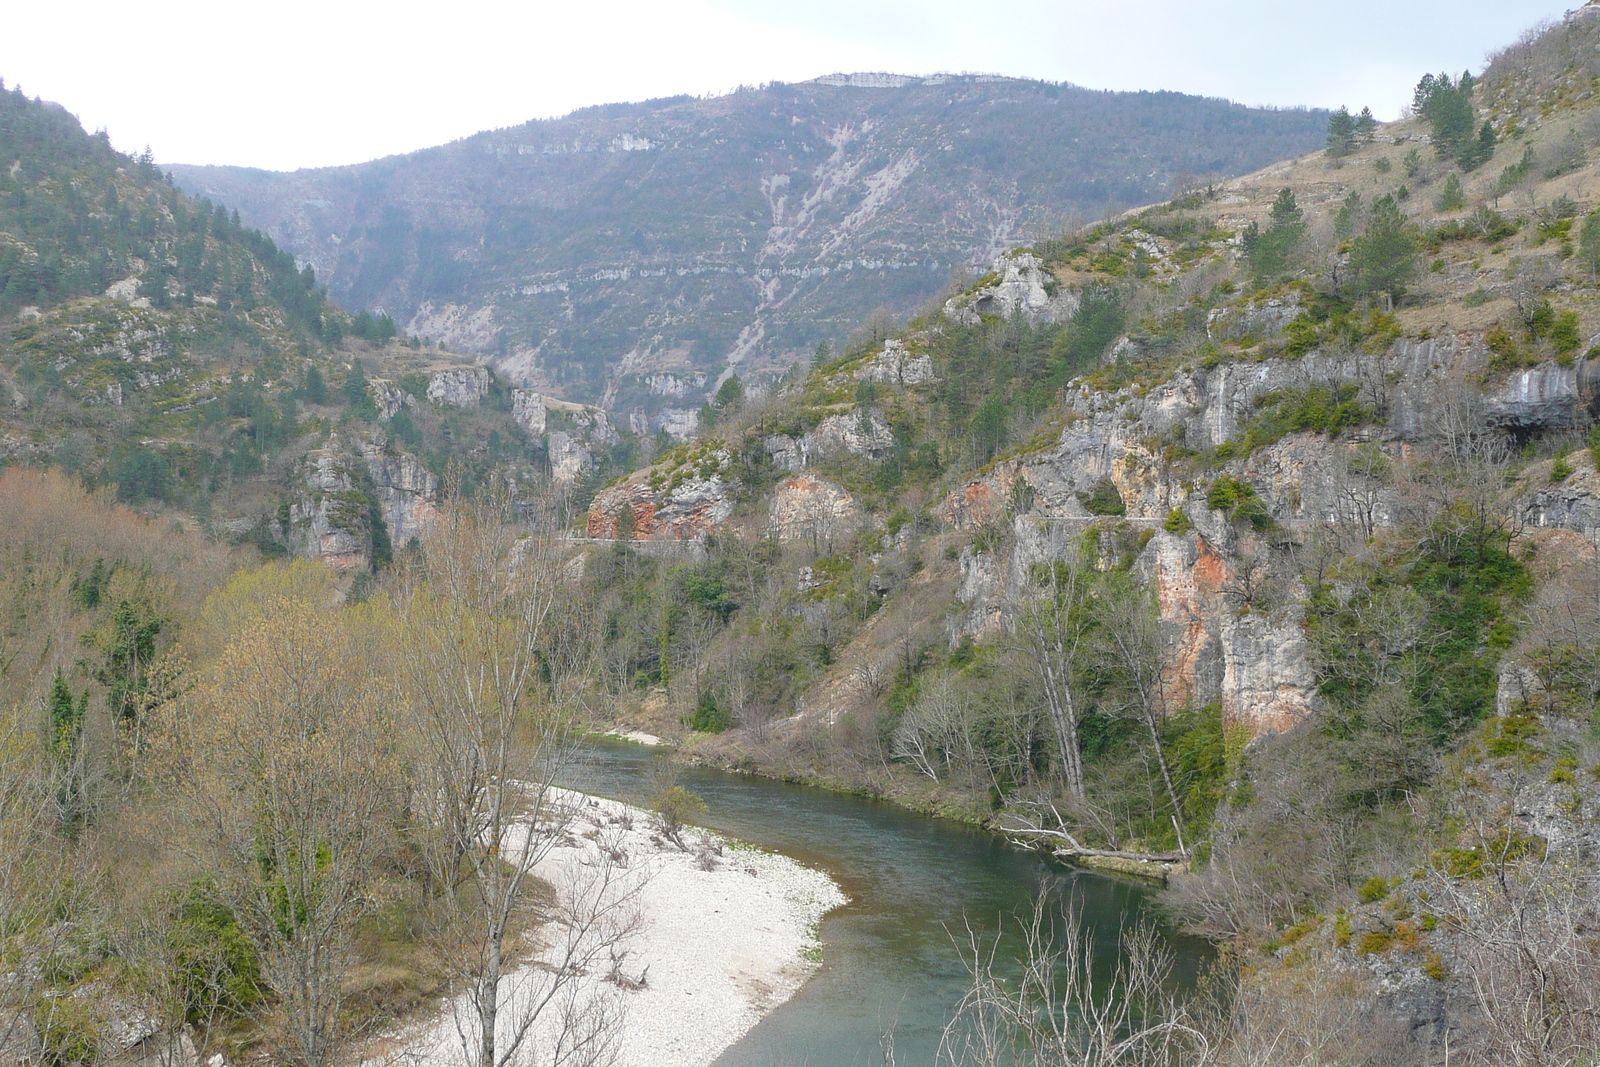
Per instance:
(717,949)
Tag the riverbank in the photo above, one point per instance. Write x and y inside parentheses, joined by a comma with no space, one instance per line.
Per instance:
(711,935)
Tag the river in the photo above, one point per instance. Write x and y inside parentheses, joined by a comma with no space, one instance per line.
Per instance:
(889,961)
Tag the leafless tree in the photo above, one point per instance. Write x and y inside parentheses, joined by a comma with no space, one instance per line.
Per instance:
(1052,630)
(1136,653)
(494,734)
(1055,1013)
(279,766)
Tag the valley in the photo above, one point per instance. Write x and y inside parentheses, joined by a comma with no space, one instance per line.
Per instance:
(1136,566)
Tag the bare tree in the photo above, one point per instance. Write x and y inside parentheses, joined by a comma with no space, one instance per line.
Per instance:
(1055,1012)
(1052,630)
(494,734)
(1136,653)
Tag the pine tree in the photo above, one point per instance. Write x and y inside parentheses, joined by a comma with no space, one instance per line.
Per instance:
(1385,255)
(1589,244)
(66,719)
(1451,197)
(1341,134)
(1366,125)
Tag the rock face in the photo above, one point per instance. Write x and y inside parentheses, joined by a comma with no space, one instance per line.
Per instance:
(1573,504)
(680,502)
(1264,320)
(863,432)
(1022,285)
(390,398)
(460,387)
(574,431)
(1546,396)
(603,250)
(897,366)
(1252,658)
(346,489)
(806,508)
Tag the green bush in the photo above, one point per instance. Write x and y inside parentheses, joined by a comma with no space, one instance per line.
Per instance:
(218,972)
(710,716)
(1373,890)
(1105,499)
(1239,500)
(1177,522)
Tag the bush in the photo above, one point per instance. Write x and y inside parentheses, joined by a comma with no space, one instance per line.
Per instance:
(710,716)
(1239,500)
(1105,499)
(68,1035)
(676,807)
(1177,522)
(1373,890)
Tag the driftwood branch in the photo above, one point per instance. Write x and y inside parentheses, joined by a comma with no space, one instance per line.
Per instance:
(1070,846)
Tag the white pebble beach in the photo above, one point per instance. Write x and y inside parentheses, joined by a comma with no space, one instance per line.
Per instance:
(718,949)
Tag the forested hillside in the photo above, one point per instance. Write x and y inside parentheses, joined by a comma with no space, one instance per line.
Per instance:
(151,344)
(627,255)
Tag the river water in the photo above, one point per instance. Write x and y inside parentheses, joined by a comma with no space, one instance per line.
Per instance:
(889,960)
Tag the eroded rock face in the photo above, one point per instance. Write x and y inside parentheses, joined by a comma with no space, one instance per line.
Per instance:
(527,407)
(1573,504)
(1264,320)
(390,398)
(1023,287)
(686,507)
(897,366)
(460,387)
(331,521)
(570,458)
(863,432)
(807,508)
(575,431)
(1546,396)
(1253,661)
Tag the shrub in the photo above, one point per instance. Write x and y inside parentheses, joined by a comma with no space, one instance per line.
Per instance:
(1372,890)
(710,716)
(1105,499)
(1177,522)
(1560,470)
(1374,941)
(675,807)
(1239,500)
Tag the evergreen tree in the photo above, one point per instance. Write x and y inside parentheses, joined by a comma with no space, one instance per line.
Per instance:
(1269,251)
(1385,255)
(1451,197)
(1447,107)
(358,394)
(129,649)
(1589,244)
(1341,134)
(731,394)
(1348,218)
(66,718)
(316,389)
(1366,125)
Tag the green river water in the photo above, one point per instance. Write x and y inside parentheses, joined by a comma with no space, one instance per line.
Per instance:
(889,961)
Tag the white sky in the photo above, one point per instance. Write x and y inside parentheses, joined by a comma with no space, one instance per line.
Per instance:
(297,83)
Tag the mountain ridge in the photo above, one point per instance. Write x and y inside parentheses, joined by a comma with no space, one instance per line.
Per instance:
(678,238)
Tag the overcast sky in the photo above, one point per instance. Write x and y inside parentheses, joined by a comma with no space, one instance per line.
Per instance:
(299,83)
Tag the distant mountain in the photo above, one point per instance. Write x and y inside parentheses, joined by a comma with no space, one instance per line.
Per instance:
(629,253)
